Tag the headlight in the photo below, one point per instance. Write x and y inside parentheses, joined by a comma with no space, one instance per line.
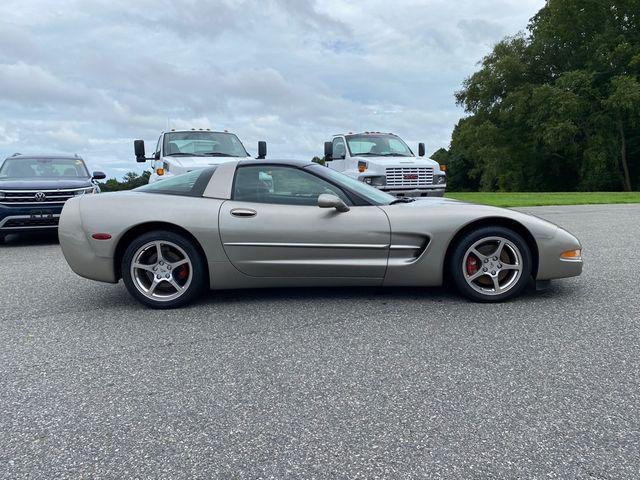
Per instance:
(439,179)
(379,181)
(86,191)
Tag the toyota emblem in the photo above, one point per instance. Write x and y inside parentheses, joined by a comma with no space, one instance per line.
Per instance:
(40,197)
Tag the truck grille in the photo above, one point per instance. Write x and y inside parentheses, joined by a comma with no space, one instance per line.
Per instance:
(38,196)
(409,177)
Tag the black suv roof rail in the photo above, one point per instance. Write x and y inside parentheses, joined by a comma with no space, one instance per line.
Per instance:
(16,154)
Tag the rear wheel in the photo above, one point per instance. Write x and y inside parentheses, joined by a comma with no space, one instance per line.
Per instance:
(163,270)
(491,264)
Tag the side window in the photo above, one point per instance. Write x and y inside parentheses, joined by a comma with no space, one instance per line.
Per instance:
(157,152)
(281,185)
(339,150)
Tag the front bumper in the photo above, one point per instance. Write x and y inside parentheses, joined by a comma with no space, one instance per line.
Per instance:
(27,218)
(436,191)
(550,265)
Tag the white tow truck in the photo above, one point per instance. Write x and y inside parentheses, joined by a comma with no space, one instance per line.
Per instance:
(181,151)
(384,160)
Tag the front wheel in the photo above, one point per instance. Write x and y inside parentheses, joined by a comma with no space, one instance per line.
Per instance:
(163,270)
(491,264)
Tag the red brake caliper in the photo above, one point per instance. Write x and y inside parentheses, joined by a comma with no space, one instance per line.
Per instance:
(472,265)
(183,271)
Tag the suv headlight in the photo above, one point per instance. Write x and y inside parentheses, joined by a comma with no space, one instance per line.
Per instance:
(379,181)
(86,191)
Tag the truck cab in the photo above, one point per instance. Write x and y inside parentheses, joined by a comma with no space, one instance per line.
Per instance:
(386,162)
(181,151)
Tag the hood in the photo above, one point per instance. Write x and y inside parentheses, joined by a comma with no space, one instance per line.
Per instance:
(464,212)
(400,161)
(44,183)
(201,162)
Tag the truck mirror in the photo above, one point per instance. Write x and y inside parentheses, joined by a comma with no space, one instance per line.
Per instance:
(421,150)
(328,151)
(98,175)
(262,149)
(138,148)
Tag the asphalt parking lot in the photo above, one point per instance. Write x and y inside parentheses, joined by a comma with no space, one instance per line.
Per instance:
(319,383)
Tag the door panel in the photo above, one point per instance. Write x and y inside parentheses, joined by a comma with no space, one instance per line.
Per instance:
(305,241)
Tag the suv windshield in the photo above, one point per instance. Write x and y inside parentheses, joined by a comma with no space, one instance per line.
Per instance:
(381,145)
(43,168)
(198,143)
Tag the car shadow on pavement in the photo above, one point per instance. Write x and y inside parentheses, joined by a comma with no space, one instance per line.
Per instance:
(435,294)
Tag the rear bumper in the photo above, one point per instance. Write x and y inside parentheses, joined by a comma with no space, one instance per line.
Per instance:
(77,248)
(14,219)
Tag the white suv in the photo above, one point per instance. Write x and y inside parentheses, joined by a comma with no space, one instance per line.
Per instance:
(384,160)
(181,151)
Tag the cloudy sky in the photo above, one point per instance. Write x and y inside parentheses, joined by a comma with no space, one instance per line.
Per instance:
(90,76)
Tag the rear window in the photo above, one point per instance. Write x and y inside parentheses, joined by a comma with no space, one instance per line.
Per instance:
(191,184)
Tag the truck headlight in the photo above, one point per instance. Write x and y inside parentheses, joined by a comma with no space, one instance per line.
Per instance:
(379,181)
(439,179)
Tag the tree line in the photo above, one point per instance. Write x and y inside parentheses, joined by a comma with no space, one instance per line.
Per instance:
(129,181)
(555,108)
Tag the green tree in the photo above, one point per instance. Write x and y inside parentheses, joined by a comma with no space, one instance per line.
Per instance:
(556,108)
(129,181)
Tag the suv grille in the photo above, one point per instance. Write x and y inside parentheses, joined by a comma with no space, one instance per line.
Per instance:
(39,196)
(409,177)
(31,222)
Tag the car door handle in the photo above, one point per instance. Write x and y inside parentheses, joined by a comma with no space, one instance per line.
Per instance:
(243,212)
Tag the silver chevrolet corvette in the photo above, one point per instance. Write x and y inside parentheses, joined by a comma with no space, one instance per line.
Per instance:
(257,223)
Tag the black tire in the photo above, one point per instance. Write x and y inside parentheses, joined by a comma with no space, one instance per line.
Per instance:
(2,237)
(197,266)
(457,266)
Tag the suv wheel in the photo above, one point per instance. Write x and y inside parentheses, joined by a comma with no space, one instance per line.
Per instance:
(491,264)
(163,270)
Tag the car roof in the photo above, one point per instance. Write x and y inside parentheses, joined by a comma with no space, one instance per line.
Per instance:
(271,161)
(364,134)
(185,130)
(31,157)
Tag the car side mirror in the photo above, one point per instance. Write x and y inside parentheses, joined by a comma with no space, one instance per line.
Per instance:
(98,176)
(421,150)
(328,151)
(138,148)
(262,149)
(327,200)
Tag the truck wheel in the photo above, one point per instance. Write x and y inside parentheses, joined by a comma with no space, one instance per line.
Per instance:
(163,270)
(491,264)
(2,237)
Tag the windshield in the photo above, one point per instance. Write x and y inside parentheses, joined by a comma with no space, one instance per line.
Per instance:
(375,196)
(198,143)
(43,168)
(378,145)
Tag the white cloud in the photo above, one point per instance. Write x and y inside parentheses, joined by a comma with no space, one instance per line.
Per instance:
(91,76)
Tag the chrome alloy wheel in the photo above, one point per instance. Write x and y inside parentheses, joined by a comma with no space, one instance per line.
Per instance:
(161,270)
(492,265)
